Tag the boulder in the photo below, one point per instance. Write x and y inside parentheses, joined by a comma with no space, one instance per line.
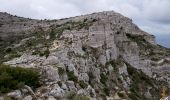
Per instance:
(29,97)
(15,94)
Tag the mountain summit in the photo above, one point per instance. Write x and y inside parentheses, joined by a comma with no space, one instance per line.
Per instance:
(96,56)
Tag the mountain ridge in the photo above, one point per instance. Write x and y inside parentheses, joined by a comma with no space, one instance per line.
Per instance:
(99,56)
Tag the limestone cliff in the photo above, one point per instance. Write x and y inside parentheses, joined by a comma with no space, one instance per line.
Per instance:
(97,56)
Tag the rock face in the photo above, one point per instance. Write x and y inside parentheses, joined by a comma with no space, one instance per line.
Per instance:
(100,55)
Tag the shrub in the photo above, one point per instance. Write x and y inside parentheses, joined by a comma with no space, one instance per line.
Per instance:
(74,96)
(83,84)
(115,63)
(59,83)
(103,79)
(112,62)
(52,34)
(61,70)
(103,96)
(70,95)
(85,20)
(45,53)
(106,91)
(94,20)
(80,97)
(71,76)
(139,80)
(122,95)
(155,59)
(91,76)
(140,40)
(8,50)
(12,78)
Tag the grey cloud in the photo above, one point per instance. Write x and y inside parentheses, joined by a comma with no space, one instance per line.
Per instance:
(157,10)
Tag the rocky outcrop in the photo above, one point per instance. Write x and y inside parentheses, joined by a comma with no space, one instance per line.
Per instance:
(97,55)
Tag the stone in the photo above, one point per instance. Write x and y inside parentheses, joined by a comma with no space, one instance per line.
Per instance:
(30,91)
(64,86)
(1,98)
(51,60)
(81,92)
(71,68)
(57,92)
(91,91)
(16,94)
(84,77)
(71,86)
(123,70)
(51,73)
(28,98)
(24,91)
(51,98)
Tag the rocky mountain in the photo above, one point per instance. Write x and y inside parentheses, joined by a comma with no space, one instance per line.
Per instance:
(90,57)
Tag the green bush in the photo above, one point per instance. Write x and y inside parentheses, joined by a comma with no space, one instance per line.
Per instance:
(115,63)
(106,91)
(73,96)
(56,31)
(139,79)
(82,84)
(140,40)
(8,50)
(12,78)
(122,95)
(103,79)
(61,70)
(71,76)
(80,97)
(52,34)
(70,95)
(103,96)
(45,53)
(112,62)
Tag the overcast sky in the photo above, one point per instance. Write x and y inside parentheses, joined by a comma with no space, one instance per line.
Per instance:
(152,16)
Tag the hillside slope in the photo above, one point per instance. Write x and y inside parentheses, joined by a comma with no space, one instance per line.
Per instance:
(98,56)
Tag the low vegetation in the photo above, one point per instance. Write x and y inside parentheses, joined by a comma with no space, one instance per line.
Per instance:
(71,76)
(57,30)
(140,40)
(74,96)
(82,84)
(114,63)
(103,79)
(139,84)
(61,71)
(122,95)
(45,53)
(106,91)
(12,78)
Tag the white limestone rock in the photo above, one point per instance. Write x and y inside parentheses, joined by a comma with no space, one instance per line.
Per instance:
(28,98)
(16,94)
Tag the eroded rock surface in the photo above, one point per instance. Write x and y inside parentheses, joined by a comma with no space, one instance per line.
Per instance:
(97,55)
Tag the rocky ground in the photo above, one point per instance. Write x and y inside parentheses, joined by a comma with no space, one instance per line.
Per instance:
(97,56)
